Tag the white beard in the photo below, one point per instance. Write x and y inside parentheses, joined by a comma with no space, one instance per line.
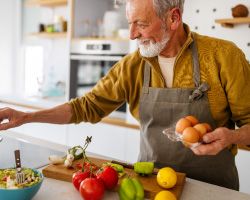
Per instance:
(151,49)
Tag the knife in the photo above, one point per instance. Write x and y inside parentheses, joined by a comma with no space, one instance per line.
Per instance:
(126,165)
(131,166)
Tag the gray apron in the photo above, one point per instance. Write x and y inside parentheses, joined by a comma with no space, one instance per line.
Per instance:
(161,108)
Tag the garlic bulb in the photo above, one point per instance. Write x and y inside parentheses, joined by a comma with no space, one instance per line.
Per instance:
(70,157)
(68,163)
(55,159)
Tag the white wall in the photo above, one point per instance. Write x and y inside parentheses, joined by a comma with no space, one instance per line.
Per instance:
(7,49)
(200,15)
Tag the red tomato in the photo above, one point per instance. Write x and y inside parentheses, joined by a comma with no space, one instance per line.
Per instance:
(109,177)
(92,189)
(78,177)
(78,165)
(88,166)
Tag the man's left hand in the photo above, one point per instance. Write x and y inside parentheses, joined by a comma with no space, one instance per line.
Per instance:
(215,141)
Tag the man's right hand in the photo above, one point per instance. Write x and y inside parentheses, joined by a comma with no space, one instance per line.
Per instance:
(10,118)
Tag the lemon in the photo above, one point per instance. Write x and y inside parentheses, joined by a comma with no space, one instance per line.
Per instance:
(165,195)
(166,177)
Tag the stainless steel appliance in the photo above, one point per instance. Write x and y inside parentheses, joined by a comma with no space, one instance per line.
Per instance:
(90,60)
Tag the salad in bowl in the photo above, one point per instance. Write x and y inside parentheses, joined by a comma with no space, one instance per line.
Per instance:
(10,189)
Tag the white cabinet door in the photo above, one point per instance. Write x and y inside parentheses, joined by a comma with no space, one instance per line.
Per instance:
(108,140)
(51,132)
(132,145)
(243,165)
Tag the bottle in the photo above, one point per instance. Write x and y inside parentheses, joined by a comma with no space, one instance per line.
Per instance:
(100,28)
(86,28)
(58,23)
(49,83)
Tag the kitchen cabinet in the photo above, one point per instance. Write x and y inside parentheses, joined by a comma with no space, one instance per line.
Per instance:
(52,5)
(107,140)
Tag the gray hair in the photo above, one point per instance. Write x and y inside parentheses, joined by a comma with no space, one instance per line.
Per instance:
(162,6)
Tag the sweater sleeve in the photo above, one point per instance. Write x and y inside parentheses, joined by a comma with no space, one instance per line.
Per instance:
(235,76)
(106,96)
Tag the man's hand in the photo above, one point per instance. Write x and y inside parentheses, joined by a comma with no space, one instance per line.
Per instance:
(215,141)
(10,118)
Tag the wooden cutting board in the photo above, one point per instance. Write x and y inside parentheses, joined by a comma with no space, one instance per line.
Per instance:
(149,183)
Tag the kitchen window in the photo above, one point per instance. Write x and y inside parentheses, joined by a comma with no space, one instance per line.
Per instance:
(33,69)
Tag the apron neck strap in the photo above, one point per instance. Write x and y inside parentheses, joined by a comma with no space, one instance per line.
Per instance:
(196,65)
(146,78)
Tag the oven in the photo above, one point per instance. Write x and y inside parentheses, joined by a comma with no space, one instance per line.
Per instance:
(90,60)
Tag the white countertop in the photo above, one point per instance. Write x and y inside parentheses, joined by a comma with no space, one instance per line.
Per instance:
(35,102)
(60,190)
(43,103)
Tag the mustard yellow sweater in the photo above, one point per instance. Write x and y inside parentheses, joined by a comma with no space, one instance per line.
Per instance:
(223,66)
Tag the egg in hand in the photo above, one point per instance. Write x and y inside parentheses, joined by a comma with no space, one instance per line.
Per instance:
(182,124)
(191,135)
(191,130)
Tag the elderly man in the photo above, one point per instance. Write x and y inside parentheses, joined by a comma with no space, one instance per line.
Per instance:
(174,73)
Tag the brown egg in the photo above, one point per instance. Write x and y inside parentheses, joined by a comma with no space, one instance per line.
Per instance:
(182,124)
(201,128)
(208,127)
(190,135)
(192,119)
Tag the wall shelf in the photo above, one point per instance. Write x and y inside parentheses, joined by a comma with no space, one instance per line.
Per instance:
(46,3)
(49,35)
(100,38)
(230,22)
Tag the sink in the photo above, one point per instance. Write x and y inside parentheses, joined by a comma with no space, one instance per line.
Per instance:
(32,155)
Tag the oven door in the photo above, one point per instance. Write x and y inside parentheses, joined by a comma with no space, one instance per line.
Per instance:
(86,70)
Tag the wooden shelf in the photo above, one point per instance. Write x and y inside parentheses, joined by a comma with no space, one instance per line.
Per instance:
(46,3)
(230,22)
(49,35)
(100,38)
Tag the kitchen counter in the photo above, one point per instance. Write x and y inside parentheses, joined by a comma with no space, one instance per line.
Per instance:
(193,190)
(60,190)
(32,102)
(37,103)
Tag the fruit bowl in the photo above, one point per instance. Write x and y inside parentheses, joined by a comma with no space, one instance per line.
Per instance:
(25,193)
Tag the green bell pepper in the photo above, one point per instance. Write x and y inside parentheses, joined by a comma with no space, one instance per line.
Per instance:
(144,168)
(131,189)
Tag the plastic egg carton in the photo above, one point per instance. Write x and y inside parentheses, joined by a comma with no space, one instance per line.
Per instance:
(177,137)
